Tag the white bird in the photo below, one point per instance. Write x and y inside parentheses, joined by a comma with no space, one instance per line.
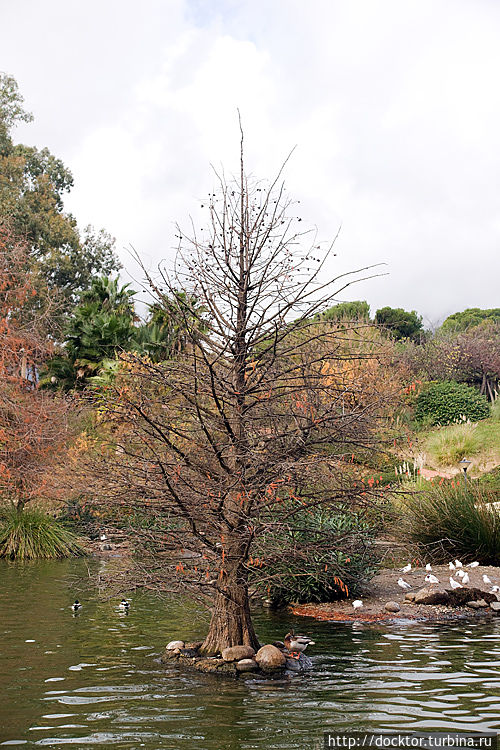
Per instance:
(431,579)
(76,606)
(465,578)
(495,590)
(458,564)
(406,568)
(486,579)
(103,537)
(357,603)
(428,567)
(451,566)
(403,584)
(124,604)
(473,565)
(455,584)
(460,573)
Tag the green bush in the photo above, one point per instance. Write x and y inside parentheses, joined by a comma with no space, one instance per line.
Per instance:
(454,520)
(329,554)
(31,534)
(446,402)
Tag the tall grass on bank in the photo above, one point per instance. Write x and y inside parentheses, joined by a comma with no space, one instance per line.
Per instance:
(450,444)
(460,521)
(31,534)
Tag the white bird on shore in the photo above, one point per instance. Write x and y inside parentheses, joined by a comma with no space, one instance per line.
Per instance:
(465,578)
(451,566)
(460,573)
(357,603)
(458,564)
(455,584)
(428,567)
(495,590)
(431,579)
(486,579)
(473,565)
(403,584)
(406,568)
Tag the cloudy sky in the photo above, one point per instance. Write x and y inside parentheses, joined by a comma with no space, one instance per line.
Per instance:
(393,105)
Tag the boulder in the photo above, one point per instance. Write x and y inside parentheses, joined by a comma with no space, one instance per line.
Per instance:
(421,595)
(246,665)
(495,606)
(236,653)
(392,607)
(410,596)
(479,604)
(175,644)
(211,665)
(269,657)
(302,664)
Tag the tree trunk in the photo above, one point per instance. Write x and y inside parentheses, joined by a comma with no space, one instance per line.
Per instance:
(231,623)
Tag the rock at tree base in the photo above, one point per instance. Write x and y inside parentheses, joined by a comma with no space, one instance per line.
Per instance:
(247,665)
(302,664)
(236,653)
(195,645)
(211,665)
(392,607)
(269,657)
(495,606)
(175,644)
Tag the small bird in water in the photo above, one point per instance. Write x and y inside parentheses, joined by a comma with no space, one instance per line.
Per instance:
(124,604)
(406,568)
(455,584)
(357,603)
(486,579)
(76,606)
(473,564)
(403,584)
(431,579)
(296,644)
(428,568)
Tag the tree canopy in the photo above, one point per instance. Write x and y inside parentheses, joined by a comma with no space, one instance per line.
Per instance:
(399,323)
(473,316)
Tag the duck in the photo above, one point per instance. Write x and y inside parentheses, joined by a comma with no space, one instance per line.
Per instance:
(296,644)
(76,606)
(124,604)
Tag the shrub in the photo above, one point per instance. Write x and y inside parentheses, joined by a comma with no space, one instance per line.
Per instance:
(454,520)
(450,444)
(442,403)
(331,555)
(31,534)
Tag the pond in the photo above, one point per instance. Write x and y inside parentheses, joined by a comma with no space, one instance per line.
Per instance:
(95,680)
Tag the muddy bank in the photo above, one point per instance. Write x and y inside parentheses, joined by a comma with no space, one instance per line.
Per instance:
(384,588)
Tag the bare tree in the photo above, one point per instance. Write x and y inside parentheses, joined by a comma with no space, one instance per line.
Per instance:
(248,428)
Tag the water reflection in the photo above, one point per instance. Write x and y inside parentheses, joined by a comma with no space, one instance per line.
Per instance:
(95,679)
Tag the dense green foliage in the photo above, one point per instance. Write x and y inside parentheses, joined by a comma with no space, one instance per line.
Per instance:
(32,534)
(32,185)
(473,316)
(443,403)
(330,552)
(356,310)
(400,323)
(454,520)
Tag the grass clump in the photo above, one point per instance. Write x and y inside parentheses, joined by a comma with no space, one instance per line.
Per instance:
(32,534)
(450,444)
(454,521)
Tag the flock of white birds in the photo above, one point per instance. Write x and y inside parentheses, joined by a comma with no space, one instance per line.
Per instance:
(457,570)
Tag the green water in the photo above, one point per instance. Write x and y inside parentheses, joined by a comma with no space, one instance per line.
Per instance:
(94,680)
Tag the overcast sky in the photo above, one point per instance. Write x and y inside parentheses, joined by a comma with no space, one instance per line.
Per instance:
(394,106)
